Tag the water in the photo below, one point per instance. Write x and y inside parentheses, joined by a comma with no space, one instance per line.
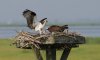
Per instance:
(92,31)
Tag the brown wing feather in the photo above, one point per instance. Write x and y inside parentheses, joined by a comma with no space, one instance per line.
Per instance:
(54,28)
(29,15)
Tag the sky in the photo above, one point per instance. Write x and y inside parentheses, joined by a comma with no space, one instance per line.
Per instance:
(54,10)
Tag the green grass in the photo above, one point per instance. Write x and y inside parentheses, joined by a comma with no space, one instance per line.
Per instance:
(88,51)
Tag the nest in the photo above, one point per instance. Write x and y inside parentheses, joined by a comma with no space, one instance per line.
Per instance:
(26,39)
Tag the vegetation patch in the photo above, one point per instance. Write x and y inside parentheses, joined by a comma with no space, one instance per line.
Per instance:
(88,51)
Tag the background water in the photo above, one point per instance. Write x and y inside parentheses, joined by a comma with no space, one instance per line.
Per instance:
(91,31)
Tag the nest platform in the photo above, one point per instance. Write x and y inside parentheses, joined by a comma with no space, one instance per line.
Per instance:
(49,42)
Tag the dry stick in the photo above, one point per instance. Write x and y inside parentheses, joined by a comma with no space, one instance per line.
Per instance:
(29,38)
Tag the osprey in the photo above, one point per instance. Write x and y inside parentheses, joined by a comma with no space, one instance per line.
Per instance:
(30,16)
(56,28)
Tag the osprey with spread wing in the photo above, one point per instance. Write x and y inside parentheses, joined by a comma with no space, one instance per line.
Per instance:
(30,17)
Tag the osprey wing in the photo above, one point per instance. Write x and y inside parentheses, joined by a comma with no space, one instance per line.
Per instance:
(29,15)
